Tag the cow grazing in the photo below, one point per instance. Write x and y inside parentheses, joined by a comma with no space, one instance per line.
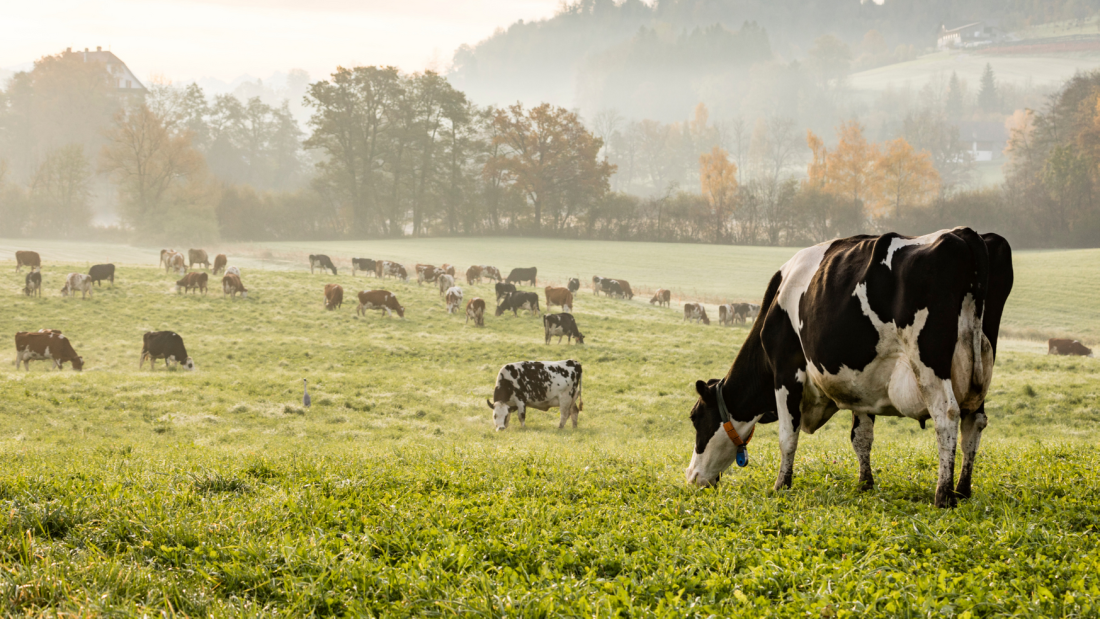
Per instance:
(490,272)
(175,262)
(520,275)
(197,256)
(45,345)
(164,253)
(393,269)
(725,315)
(453,299)
(624,287)
(77,282)
(219,263)
(597,285)
(101,272)
(612,288)
(27,259)
(662,298)
(192,281)
(559,296)
(878,325)
(321,261)
(695,312)
(561,325)
(427,273)
(334,296)
(574,285)
(449,269)
(475,308)
(503,290)
(445,284)
(231,285)
(380,300)
(33,281)
(473,275)
(1058,346)
(165,345)
(519,300)
(537,384)
(233,271)
(366,265)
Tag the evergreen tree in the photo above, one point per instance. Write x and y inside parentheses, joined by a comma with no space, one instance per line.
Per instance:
(954,104)
(987,94)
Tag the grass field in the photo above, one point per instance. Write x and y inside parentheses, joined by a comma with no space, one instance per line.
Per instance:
(214,492)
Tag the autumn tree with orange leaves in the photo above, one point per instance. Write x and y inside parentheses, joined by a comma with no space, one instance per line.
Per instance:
(906,179)
(718,178)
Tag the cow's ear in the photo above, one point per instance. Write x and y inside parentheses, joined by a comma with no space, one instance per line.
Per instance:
(702,388)
(491,407)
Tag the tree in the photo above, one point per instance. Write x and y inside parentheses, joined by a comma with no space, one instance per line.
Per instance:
(830,59)
(954,103)
(60,192)
(907,178)
(851,165)
(988,100)
(718,180)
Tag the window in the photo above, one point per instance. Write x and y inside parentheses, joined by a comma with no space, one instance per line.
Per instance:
(128,84)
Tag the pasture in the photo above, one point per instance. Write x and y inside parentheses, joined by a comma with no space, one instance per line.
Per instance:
(215,492)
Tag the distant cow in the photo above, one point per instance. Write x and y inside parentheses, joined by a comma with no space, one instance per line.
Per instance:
(193,281)
(322,262)
(574,284)
(504,290)
(427,273)
(519,300)
(45,345)
(473,275)
(453,298)
(231,285)
(445,283)
(695,312)
(366,265)
(219,263)
(27,259)
(449,269)
(100,272)
(164,253)
(624,286)
(561,325)
(612,288)
(559,296)
(662,298)
(475,309)
(395,270)
(75,282)
(233,271)
(520,275)
(197,256)
(334,296)
(725,315)
(33,287)
(380,300)
(165,345)
(175,262)
(537,384)
(597,285)
(490,272)
(1058,346)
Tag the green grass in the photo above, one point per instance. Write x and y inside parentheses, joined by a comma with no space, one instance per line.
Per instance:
(215,492)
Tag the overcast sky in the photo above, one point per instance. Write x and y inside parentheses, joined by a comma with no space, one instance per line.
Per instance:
(191,39)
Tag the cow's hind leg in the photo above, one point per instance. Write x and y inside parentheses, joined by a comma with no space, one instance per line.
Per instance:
(972,426)
(863,436)
(940,399)
(566,409)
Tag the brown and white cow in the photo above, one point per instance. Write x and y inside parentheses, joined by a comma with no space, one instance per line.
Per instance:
(449,269)
(81,282)
(695,312)
(193,281)
(662,298)
(446,282)
(380,300)
(1060,346)
(725,315)
(559,296)
(490,272)
(475,309)
(473,275)
(175,262)
(453,299)
(427,273)
(45,345)
(231,285)
(334,296)
(27,259)
(197,256)
(219,263)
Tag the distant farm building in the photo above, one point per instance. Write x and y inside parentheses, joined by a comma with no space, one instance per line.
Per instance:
(986,140)
(124,79)
(976,34)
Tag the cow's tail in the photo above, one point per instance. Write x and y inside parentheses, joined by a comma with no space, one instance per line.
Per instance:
(980,288)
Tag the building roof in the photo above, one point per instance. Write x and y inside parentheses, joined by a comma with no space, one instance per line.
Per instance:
(125,80)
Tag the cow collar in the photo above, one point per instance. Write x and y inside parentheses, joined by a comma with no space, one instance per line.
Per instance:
(727,422)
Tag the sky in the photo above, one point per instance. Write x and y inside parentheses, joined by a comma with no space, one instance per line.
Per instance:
(185,40)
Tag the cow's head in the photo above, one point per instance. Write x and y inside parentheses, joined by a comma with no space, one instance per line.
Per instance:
(189,363)
(714,449)
(706,320)
(401,311)
(500,308)
(501,413)
(78,363)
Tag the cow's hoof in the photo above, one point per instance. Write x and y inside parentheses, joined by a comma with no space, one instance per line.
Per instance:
(962,492)
(867,484)
(946,500)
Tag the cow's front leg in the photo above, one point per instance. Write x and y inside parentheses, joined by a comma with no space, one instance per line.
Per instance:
(972,426)
(863,436)
(521,411)
(566,408)
(788,399)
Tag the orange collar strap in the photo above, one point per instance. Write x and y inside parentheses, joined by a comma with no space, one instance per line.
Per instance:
(735,437)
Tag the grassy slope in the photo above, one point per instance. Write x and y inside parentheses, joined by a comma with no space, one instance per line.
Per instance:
(215,492)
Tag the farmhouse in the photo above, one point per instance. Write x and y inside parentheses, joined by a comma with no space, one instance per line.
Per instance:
(124,79)
(976,34)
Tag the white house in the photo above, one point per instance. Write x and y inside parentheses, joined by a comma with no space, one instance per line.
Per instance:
(124,79)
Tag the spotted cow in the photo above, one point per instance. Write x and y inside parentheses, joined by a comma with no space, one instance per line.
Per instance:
(662,298)
(537,384)
(475,308)
(380,300)
(561,325)
(45,345)
(453,299)
(695,312)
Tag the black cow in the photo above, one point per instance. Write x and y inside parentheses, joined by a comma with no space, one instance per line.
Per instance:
(504,290)
(33,283)
(611,288)
(518,276)
(561,325)
(362,264)
(574,285)
(519,300)
(321,261)
(878,325)
(100,272)
(165,345)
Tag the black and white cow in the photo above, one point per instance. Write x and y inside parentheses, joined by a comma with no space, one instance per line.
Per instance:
(574,285)
(321,261)
(886,325)
(503,290)
(166,345)
(537,384)
(362,264)
(517,301)
(561,325)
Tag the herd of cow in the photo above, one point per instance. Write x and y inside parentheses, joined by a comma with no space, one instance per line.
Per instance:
(880,326)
